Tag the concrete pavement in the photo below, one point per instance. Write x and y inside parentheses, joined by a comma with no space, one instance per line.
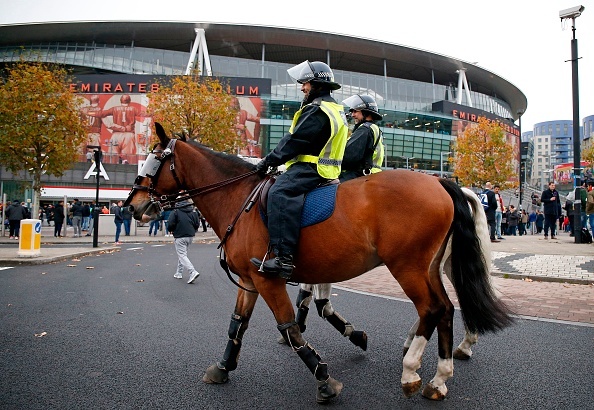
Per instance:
(551,279)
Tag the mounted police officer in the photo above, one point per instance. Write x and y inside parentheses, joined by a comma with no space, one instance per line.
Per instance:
(364,153)
(313,150)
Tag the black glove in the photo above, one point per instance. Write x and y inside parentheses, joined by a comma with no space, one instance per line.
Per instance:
(262,168)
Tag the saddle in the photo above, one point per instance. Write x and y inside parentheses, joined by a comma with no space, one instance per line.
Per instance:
(318,206)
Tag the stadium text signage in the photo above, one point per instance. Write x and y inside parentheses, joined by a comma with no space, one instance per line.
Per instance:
(142,84)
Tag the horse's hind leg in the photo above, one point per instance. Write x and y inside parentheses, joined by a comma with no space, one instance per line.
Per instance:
(219,372)
(326,311)
(464,349)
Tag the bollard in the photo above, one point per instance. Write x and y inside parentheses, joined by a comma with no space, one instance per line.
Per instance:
(30,238)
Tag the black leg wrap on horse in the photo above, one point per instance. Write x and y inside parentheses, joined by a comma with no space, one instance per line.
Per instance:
(302,308)
(301,318)
(231,354)
(283,328)
(326,311)
(313,361)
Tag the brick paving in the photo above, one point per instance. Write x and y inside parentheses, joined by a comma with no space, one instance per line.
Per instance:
(526,297)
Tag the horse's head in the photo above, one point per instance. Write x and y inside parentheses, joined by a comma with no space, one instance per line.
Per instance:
(156,184)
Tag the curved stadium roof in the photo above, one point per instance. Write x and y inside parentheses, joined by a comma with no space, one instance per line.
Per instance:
(283,45)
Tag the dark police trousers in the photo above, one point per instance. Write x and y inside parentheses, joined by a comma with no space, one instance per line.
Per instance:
(285,203)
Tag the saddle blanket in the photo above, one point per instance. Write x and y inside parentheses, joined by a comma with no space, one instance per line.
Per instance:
(319,205)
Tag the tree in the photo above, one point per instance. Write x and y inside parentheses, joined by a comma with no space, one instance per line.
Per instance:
(483,154)
(199,106)
(40,127)
(588,155)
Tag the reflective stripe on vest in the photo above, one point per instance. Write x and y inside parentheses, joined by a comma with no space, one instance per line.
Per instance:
(330,159)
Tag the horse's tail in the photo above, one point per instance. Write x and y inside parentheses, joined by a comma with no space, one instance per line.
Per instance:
(482,310)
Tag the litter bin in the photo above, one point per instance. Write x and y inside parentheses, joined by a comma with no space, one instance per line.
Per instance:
(30,238)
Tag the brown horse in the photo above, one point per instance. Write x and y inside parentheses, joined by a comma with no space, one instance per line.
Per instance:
(362,233)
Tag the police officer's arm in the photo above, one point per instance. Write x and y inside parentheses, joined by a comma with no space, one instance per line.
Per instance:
(309,136)
(355,150)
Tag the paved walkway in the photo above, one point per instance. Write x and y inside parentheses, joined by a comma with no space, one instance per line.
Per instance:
(550,279)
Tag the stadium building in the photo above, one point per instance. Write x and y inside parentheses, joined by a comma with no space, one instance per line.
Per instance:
(426,99)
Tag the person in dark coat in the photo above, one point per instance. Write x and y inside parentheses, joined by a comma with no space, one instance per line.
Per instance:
(15,213)
(183,222)
(539,221)
(490,212)
(552,210)
(58,219)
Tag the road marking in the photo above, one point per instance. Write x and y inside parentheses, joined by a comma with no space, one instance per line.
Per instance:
(134,249)
(6,267)
(159,245)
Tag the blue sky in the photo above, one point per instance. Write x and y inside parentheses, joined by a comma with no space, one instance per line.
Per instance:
(521,41)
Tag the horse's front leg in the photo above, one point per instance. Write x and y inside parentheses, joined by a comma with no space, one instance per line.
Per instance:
(219,372)
(275,294)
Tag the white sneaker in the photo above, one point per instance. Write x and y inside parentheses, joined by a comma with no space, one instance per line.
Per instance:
(177,276)
(193,276)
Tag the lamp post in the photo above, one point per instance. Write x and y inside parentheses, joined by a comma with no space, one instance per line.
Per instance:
(573,13)
(441,154)
(98,157)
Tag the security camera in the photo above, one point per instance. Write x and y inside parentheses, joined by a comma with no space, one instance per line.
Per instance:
(571,12)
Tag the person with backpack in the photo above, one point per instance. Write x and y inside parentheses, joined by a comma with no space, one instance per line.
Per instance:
(489,203)
(183,222)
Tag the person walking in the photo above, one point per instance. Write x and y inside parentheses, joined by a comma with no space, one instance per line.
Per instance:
(532,222)
(15,213)
(77,214)
(58,219)
(522,223)
(364,152)
(183,222)
(552,210)
(154,226)
(118,220)
(313,150)
(165,215)
(539,221)
(86,217)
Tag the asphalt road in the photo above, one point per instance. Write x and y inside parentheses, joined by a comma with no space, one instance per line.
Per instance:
(118,331)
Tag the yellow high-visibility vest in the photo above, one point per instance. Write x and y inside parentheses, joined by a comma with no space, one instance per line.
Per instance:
(329,160)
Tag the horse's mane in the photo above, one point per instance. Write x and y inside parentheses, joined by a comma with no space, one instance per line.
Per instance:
(233,163)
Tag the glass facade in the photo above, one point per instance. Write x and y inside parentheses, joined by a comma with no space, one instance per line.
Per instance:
(414,135)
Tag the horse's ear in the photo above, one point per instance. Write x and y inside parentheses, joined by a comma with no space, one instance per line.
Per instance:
(162,134)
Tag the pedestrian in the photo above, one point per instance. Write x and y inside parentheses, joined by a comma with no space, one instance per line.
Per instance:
(552,210)
(58,219)
(127,215)
(15,213)
(364,152)
(183,222)
(498,212)
(165,215)
(154,226)
(86,216)
(490,210)
(590,206)
(77,214)
(512,221)
(118,219)
(522,223)
(202,220)
(313,150)
(532,222)
(539,221)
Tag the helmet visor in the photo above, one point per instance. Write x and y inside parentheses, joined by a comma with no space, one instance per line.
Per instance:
(302,73)
(355,102)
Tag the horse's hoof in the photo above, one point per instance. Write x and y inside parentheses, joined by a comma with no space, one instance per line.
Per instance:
(433,393)
(215,375)
(461,355)
(412,388)
(359,338)
(328,389)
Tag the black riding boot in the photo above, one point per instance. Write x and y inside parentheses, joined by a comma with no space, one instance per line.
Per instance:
(281,266)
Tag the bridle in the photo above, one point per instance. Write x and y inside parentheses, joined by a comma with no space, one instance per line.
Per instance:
(152,168)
